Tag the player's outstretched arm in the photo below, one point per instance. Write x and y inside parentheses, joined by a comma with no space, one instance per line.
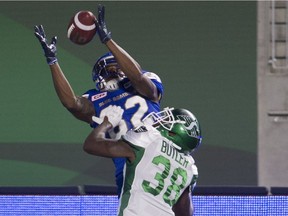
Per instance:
(80,107)
(127,63)
(184,205)
(143,85)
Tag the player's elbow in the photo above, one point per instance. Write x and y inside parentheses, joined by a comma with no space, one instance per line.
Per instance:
(92,146)
(87,147)
(71,106)
(88,150)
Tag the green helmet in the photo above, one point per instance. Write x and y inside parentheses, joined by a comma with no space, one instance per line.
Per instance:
(180,126)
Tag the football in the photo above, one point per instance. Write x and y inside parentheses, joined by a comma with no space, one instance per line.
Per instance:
(82,28)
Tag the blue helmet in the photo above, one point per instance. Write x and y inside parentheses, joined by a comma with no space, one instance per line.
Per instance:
(104,78)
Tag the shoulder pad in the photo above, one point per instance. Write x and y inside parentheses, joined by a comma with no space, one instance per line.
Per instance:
(152,75)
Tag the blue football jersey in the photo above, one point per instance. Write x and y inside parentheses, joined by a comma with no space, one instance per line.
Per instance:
(135,108)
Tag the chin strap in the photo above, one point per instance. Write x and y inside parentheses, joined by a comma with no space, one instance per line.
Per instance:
(112,85)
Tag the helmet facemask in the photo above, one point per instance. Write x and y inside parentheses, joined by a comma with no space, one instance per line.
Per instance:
(179,126)
(164,118)
(106,73)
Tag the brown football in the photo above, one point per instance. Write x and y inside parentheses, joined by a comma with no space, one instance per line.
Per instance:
(82,28)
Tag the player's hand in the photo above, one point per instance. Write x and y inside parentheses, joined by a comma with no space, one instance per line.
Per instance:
(114,114)
(50,50)
(102,30)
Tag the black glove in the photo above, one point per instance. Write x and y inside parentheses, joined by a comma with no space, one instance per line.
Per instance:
(103,33)
(49,49)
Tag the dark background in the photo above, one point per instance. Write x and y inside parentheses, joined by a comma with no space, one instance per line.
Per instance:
(204,52)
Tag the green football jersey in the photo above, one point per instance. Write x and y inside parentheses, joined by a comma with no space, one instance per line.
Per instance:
(156,179)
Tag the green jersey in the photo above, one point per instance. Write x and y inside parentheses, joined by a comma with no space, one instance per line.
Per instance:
(155,180)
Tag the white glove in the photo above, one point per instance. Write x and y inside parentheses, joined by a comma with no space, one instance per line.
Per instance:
(114,114)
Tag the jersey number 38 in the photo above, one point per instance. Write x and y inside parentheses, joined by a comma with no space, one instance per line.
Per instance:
(160,177)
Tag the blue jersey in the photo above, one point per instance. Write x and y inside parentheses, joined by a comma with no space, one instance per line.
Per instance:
(135,108)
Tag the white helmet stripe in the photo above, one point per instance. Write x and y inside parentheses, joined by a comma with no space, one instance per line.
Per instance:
(81,26)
